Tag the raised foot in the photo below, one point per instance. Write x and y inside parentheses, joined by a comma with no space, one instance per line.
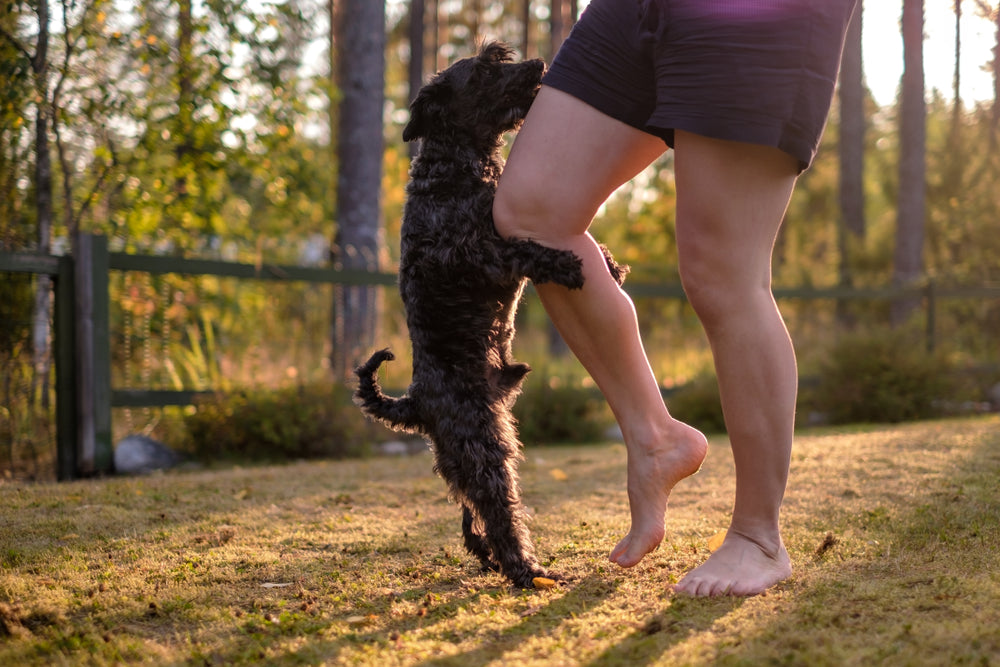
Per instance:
(652,475)
(739,567)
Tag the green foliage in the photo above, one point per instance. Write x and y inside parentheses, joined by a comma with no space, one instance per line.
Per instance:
(308,422)
(698,404)
(554,409)
(27,424)
(881,376)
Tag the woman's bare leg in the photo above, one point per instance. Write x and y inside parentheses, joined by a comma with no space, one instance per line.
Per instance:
(567,159)
(731,201)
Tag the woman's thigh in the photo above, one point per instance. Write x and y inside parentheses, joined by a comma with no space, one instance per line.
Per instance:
(731,199)
(566,161)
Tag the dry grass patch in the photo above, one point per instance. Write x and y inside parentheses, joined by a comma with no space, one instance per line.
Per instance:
(893,532)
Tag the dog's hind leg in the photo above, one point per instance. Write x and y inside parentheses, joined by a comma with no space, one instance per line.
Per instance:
(483,473)
(506,531)
(475,543)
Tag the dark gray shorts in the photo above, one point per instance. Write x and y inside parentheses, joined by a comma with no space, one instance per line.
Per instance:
(757,71)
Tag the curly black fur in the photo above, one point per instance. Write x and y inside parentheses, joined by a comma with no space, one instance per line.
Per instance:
(460,283)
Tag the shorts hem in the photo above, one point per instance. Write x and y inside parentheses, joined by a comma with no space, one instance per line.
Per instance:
(584,91)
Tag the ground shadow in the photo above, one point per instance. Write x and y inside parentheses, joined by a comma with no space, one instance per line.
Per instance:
(683,617)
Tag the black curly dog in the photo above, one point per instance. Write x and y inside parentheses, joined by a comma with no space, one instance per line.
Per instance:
(460,283)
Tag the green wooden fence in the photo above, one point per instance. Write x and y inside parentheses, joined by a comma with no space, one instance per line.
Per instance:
(82,355)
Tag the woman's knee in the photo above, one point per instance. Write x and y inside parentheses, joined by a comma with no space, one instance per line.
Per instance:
(512,216)
(719,294)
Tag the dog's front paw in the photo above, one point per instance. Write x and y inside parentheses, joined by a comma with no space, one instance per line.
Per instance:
(618,271)
(546,265)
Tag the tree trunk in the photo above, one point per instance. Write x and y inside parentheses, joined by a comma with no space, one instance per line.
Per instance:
(555,27)
(185,88)
(956,78)
(908,257)
(416,70)
(43,203)
(361,73)
(440,37)
(852,149)
(526,28)
(996,82)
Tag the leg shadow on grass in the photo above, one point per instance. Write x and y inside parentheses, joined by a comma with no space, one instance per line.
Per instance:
(684,617)
(538,620)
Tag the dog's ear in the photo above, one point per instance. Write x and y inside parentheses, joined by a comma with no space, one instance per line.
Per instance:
(426,109)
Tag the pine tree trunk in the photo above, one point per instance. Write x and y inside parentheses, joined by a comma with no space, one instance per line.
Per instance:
(43,202)
(996,83)
(852,149)
(908,257)
(416,66)
(361,74)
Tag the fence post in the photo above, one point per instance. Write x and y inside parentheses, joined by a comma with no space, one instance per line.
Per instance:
(93,356)
(64,340)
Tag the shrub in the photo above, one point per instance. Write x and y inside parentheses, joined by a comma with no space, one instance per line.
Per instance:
(697,403)
(554,410)
(311,421)
(881,377)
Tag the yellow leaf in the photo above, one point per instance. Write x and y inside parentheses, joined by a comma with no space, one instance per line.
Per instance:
(558,475)
(358,621)
(543,582)
(715,541)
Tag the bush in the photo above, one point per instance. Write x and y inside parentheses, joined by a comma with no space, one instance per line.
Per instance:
(312,421)
(554,410)
(881,377)
(697,403)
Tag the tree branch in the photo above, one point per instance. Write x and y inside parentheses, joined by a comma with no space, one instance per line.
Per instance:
(15,43)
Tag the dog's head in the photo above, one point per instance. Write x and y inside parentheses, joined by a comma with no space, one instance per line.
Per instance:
(478,98)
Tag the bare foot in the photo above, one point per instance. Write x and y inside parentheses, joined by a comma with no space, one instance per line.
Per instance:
(739,567)
(652,474)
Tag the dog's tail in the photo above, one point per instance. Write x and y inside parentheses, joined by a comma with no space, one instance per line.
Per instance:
(399,414)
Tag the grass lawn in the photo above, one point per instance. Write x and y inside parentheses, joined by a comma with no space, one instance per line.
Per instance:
(894,533)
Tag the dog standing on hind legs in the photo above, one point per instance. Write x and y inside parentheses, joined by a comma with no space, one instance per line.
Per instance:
(460,284)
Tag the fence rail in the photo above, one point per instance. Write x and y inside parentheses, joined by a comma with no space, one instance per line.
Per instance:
(82,355)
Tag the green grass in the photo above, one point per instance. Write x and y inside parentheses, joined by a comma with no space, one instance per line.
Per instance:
(893,532)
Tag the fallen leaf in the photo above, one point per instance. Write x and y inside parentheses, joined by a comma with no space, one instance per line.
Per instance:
(558,475)
(828,543)
(274,585)
(531,611)
(543,582)
(358,621)
(715,541)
